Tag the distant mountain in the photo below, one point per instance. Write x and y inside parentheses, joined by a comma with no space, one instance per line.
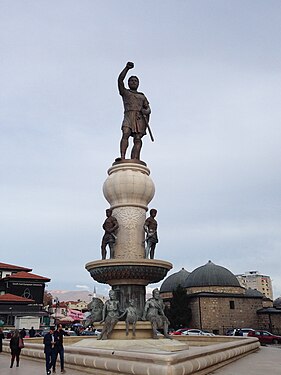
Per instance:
(82,295)
(73,295)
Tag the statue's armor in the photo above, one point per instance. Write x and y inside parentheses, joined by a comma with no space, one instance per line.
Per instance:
(134,102)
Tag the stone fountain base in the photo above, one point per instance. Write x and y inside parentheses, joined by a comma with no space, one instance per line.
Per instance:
(181,356)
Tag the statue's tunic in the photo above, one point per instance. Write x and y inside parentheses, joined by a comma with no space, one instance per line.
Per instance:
(151,224)
(134,102)
(109,223)
(155,311)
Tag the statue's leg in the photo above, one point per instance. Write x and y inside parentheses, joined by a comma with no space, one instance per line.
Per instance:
(152,250)
(127,328)
(111,326)
(124,143)
(147,249)
(103,335)
(165,329)
(154,330)
(103,249)
(111,247)
(137,147)
(134,328)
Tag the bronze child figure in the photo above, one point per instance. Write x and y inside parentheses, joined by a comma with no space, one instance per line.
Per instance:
(131,317)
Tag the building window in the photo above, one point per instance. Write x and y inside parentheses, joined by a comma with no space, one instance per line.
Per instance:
(231,305)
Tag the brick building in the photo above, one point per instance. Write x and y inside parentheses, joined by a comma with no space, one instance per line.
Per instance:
(218,301)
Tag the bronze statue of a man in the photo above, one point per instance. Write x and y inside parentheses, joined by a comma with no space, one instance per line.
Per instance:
(150,228)
(136,113)
(110,227)
(154,312)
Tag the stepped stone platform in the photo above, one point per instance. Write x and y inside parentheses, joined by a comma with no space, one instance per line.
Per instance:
(180,356)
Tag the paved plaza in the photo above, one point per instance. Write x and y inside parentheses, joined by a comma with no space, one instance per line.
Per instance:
(28,367)
(265,361)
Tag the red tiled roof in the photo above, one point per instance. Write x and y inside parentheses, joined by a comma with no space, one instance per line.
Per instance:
(11,267)
(13,298)
(26,275)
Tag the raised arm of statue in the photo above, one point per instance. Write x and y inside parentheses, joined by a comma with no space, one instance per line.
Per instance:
(122,76)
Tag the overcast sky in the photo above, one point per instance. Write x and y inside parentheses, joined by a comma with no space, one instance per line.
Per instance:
(211,71)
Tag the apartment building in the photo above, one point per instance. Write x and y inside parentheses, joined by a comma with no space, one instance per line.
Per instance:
(255,280)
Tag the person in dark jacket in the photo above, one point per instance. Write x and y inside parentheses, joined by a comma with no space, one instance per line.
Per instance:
(32,332)
(15,348)
(59,349)
(49,350)
(23,333)
(1,339)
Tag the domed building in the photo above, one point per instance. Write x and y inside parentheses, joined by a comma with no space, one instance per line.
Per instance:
(212,278)
(216,298)
(172,282)
(277,303)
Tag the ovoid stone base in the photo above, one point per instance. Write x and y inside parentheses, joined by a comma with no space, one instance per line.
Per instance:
(148,357)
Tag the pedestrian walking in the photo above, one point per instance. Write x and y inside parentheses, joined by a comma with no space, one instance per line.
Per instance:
(49,349)
(16,344)
(59,349)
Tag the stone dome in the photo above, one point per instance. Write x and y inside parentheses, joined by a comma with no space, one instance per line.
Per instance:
(172,281)
(253,293)
(277,303)
(211,275)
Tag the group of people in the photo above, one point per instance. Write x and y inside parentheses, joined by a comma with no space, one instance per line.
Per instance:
(53,346)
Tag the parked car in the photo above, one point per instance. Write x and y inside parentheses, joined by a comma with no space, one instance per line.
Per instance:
(245,331)
(196,332)
(238,331)
(229,332)
(178,331)
(265,337)
(207,333)
(41,332)
(44,332)
(70,333)
(7,333)
(95,332)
